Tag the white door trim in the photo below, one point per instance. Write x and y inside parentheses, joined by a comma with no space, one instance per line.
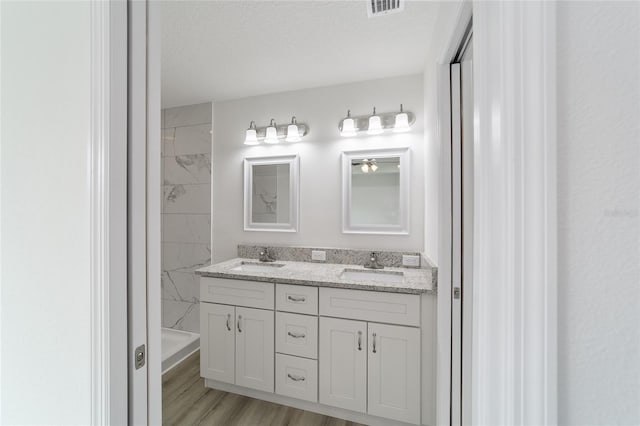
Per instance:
(515,283)
(108,141)
(446,57)
(154,218)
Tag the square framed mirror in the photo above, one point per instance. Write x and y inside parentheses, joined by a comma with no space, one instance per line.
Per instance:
(271,193)
(375,191)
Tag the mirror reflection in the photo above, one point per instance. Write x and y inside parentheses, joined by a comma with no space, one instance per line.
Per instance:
(375,191)
(271,193)
(270,197)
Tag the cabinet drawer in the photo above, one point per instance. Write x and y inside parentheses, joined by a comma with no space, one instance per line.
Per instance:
(375,306)
(297,335)
(237,292)
(297,377)
(297,298)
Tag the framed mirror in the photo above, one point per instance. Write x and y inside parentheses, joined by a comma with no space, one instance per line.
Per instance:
(271,193)
(375,191)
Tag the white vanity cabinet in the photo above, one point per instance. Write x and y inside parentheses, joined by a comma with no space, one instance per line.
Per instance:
(254,348)
(363,355)
(343,363)
(217,342)
(237,342)
(394,372)
(367,366)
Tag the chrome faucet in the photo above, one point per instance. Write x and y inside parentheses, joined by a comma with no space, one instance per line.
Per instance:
(265,256)
(373,261)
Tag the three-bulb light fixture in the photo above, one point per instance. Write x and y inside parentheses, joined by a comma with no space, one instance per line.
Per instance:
(273,133)
(377,123)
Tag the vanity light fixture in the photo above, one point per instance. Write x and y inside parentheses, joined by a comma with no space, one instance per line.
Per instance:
(251,136)
(293,135)
(377,123)
(272,133)
(402,121)
(348,126)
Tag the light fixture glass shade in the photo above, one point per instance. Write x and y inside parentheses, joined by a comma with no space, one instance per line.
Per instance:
(364,168)
(272,133)
(292,133)
(402,122)
(374,167)
(375,124)
(251,136)
(348,127)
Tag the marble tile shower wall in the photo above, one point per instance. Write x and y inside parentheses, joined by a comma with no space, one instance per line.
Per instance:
(186,211)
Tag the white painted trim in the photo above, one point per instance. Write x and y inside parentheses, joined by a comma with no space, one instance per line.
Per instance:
(154,216)
(108,214)
(402,228)
(294,193)
(138,210)
(99,188)
(446,57)
(514,300)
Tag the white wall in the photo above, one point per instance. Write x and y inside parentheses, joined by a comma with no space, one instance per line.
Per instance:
(320,164)
(598,200)
(45,305)
(436,47)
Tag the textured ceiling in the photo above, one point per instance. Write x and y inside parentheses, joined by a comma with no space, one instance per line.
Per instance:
(220,50)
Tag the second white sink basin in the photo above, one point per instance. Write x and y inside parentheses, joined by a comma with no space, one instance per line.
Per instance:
(257,267)
(373,275)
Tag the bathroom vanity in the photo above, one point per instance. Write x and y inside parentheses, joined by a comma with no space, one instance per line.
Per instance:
(336,339)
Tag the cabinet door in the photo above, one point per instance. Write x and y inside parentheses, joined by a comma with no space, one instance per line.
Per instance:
(255,348)
(217,346)
(394,372)
(343,363)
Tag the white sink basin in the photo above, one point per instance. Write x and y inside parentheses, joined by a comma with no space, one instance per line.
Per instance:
(257,267)
(373,275)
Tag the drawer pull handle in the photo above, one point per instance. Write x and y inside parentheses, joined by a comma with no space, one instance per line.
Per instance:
(359,340)
(239,320)
(229,322)
(296,335)
(295,378)
(374,343)
(297,298)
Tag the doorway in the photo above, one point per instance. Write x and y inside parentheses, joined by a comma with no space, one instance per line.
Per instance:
(462,136)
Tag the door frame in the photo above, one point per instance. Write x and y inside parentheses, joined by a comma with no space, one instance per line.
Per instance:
(514,301)
(110,352)
(515,280)
(445,229)
(108,222)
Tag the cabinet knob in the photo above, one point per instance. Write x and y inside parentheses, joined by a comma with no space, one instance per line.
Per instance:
(359,340)
(229,322)
(374,343)
(239,321)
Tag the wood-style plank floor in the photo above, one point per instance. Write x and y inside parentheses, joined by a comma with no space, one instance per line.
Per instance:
(186,401)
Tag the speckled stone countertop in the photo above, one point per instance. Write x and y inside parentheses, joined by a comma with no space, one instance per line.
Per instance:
(416,281)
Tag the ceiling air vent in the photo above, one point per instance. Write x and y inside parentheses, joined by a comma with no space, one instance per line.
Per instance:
(384,7)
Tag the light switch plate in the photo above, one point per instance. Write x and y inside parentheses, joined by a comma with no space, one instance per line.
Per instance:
(319,255)
(409,260)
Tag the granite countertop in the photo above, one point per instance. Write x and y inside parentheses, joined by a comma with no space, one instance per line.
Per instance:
(416,281)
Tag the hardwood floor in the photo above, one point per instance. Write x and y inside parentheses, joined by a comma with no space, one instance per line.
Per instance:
(185,401)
